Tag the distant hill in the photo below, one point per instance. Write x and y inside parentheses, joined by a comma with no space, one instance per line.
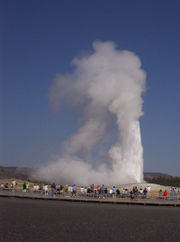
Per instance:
(156,175)
(22,173)
(162,179)
(25,173)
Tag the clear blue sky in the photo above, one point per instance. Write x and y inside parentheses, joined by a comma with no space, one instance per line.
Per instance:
(39,38)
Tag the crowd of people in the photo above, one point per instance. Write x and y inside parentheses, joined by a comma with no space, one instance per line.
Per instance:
(91,191)
(174,194)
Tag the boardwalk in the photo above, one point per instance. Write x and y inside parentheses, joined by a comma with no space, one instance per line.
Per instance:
(79,198)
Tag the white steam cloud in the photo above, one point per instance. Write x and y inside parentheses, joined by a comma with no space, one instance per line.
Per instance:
(106,85)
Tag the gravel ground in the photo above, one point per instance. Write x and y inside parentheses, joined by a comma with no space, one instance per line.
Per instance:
(39,220)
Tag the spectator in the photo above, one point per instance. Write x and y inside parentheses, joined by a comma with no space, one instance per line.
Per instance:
(113,192)
(131,194)
(45,188)
(141,192)
(74,189)
(103,189)
(92,188)
(172,194)
(53,189)
(165,195)
(145,192)
(176,193)
(24,187)
(160,194)
(118,192)
(82,190)
(27,187)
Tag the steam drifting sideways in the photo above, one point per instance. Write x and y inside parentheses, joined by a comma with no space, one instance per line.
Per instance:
(106,85)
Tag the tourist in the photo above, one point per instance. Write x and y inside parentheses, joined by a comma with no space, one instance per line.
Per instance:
(132,194)
(92,188)
(145,191)
(13,185)
(172,194)
(70,190)
(176,193)
(2,186)
(110,192)
(27,187)
(141,192)
(82,190)
(74,189)
(106,190)
(113,192)
(99,189)
(165,195)
(136,193)
(118,193)
(65,190)
(24,187)
(123,193)
(60,189)
(45,189)
(6,186)
(53,189)
(160,194)
(103,189)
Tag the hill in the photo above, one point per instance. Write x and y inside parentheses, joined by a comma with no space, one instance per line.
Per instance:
(25,173)
(22,173)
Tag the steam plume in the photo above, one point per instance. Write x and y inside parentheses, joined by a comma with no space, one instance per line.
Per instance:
(106,85)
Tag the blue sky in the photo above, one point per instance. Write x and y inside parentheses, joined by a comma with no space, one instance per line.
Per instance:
(40,38)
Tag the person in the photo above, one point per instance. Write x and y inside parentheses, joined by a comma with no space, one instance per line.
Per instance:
(28,187)
(13,185)
(65,190)
(145,192)
(135,192)
(141,192)
(176,193)
(113,192)
(74,189)
(99,190)
(53,189)
(160,194)
(106,190)
(103,189)
(110,192)
(95,191)
(92,188)
(37,188)
(82,190)
(60,189)
(165,194)
(70,190)
(6,186)
(118,192)
(172,194)
(123,193)
(45,188)
(24,187)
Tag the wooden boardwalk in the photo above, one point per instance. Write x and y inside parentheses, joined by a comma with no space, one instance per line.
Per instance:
(147,202)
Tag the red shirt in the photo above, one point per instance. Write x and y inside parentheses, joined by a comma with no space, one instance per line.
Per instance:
(165,194)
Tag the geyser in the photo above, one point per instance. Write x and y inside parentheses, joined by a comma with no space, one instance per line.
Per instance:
(106,85)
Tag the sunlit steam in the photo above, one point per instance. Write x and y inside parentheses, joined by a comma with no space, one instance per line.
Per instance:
(106,85)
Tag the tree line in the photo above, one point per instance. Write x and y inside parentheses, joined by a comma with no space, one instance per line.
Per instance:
(173,182)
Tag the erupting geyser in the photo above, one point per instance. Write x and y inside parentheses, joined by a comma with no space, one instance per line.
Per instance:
(106,85)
